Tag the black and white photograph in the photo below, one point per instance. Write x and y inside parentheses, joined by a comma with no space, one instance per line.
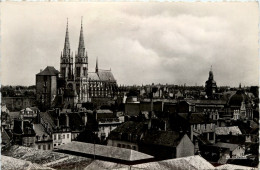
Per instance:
(129,85)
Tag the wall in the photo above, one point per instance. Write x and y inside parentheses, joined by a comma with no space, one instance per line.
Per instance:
(122,144)
(65,137)
(185,147)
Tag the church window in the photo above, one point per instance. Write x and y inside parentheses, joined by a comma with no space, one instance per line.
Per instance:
(78,72)
(63,70)
(84,71)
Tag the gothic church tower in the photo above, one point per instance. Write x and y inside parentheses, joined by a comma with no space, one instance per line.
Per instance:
(81,69)
(66,60)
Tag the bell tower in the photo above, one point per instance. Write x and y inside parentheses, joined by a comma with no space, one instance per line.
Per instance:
(81,69)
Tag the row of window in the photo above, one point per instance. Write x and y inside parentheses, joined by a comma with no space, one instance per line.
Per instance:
(126,146)
(59,136)
(44,147)
(203,126)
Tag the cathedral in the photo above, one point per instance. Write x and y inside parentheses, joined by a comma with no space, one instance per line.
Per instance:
(74,83)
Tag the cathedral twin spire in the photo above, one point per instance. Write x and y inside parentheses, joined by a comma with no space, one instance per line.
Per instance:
(81,47)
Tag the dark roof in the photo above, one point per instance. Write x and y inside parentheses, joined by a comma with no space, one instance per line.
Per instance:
(106,75)
(230,146)
(47,118)
(195,118)
(75,121)
(48,71)
(5,136)
(165,138)
(130,127)
(237,98)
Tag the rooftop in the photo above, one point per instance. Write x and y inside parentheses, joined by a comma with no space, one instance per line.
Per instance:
(48,71)
(104,151)
(9,163)
(226,145)
(233,130)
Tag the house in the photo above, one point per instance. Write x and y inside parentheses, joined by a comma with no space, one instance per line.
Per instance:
(166,144)
(196,124)
(107,122)
(236,151)
(43,140)
(127,135)
(23,133)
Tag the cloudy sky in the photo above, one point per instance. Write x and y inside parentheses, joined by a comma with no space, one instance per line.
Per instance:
(142,43)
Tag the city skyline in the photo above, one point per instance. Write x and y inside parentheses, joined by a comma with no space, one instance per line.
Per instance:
(135,41)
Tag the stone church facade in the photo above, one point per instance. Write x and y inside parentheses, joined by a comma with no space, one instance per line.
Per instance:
(74,83)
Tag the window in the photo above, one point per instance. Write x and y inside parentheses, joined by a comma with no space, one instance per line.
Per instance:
(63,137)
(63,71)
(54,144)
(134,147)
(119,145)
(68,136)
(84,71)
(123,146)
(39,146)
(49,146)
(44,147)
(54,136)
(78,71)
(59,136)
(211,136)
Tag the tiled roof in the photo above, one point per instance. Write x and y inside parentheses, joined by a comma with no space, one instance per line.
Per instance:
(164,138)
(48,71)
(75,120)
(196,118)
(235,167)
(9,163)
(47,118)
(39,130)
(93,76)
(129,127)
(46,158)
(106,75)
(104,151)
(226,145)
(102,165)
(190,162)
(234,130)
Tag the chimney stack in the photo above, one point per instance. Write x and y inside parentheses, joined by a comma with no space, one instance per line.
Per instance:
(58,122)
(85,118)
(67,120)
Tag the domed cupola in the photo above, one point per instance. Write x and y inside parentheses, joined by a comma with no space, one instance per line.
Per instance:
(237,98)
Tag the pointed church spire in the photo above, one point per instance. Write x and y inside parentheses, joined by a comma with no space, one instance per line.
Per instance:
(81,49)
(66,50)
(97,65)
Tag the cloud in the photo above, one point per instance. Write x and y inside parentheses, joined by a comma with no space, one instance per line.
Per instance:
(172,43)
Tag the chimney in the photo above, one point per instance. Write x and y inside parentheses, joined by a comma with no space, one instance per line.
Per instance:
(22,125)
(58,122)
(67,120)
(85,118)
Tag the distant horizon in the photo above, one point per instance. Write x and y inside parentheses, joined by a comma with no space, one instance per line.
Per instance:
(173,43)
